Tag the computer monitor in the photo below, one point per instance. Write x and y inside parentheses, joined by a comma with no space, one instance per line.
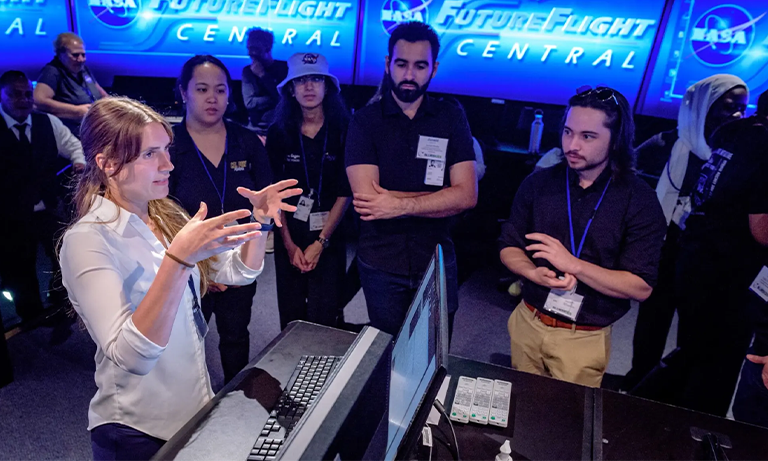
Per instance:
(418,360)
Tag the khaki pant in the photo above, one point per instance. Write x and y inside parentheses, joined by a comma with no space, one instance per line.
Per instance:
(575,356)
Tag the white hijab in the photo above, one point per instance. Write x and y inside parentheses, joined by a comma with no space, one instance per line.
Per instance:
(690,128)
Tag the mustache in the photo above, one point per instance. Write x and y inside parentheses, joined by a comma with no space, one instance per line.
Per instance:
(408,82)
(571,152)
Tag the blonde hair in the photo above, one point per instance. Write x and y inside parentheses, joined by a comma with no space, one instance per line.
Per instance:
(114,127)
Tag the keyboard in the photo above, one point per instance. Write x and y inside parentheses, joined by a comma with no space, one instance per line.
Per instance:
(305,384)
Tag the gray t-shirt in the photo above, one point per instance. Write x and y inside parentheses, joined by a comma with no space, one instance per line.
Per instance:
(70,88)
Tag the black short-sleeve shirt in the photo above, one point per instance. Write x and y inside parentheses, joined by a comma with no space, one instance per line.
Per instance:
(245,162)
(69,88)
(627,232)
(732,185)
(288,161)
(381,134)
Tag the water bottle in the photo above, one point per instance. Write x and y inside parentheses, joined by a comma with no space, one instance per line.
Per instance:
(537,128)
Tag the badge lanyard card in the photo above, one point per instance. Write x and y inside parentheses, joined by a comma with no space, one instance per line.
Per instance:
(434,151)
(303,211)
(568,303)
(197,312)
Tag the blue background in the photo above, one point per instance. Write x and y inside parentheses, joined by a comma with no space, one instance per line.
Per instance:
(552,81)
(148,45)
(29,52)
(668,82)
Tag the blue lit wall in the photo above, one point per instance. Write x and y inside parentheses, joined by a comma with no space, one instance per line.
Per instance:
(29,28)
(155,37)
(706,37)
(529,50)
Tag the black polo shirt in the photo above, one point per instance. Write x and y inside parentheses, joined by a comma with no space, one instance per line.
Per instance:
(245,162)
(627,232)
(69,88)
(381,134)
(288,160)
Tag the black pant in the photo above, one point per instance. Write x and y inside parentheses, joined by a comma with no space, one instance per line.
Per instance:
(118,442)
(18,261)
(315,296)
(6,367)
(233,314)
(714,328)
(654,318)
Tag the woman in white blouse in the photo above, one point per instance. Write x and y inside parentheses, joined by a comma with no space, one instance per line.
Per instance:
(135,265)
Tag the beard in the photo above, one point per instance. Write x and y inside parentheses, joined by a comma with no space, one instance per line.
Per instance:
(407,95)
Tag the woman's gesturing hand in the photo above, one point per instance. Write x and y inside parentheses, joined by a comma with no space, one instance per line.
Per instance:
(268,202)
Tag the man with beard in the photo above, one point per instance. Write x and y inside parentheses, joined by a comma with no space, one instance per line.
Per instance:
(66,87)
(404,205)
(586,235)
(260,79)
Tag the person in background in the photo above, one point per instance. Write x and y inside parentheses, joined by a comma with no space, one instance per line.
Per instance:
(212,159)
(706,106)
(750,404)
(306,141)
(30,143)
(586,235)
(404,205)
(722,251)
(135,265)
(66,87)
(260,79)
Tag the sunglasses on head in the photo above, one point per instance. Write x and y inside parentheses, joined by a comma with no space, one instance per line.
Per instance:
(601,93)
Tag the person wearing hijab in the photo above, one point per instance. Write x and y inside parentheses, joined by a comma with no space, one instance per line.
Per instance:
(706,106)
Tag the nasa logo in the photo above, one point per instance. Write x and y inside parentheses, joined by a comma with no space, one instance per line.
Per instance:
(393,12)
(309,58)
(722,35)
(115,13)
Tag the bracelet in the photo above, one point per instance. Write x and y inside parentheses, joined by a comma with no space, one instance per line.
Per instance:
(265,227)
(179,260)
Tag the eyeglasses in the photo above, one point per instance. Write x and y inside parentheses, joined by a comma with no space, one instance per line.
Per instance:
(601,93)
(77,55)
(303,80)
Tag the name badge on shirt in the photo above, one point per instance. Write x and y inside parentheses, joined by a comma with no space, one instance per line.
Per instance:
(565,303)
(318,220)
(303,208)
(431,148)
(87,78)
(435,173)
(760,285)
(239,165)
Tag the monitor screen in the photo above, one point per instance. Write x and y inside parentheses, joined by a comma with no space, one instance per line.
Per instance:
(30,27)
(703,38)
(528,50)
(155,37)
(417,355)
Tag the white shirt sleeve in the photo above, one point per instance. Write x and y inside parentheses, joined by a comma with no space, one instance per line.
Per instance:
(69,146)
(229,269)
(95,286)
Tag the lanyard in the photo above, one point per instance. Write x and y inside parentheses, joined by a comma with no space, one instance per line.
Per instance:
(322,163)
(197,313)
(205,167)
(570,215)
(87,78)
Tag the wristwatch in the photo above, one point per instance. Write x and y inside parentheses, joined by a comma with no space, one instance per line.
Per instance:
(324,242)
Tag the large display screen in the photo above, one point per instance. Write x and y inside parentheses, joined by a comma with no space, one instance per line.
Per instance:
(155,37)
(29,29)
(529,50)
(707,37)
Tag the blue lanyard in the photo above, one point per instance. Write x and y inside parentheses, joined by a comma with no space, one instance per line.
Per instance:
(570,215)
(322,164)
(197,312)
(86,78)
(205,167)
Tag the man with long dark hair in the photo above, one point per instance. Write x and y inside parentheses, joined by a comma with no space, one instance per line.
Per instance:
(404,205)
(586,235)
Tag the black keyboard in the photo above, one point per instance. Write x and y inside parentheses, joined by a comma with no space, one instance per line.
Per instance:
(305,384)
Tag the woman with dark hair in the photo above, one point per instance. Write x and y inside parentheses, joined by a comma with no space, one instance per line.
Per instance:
(135,264)
(306,141)
(212,158)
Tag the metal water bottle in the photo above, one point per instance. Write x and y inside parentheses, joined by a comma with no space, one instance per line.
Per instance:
(537,128)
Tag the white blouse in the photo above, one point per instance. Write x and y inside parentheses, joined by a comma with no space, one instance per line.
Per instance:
(107,266)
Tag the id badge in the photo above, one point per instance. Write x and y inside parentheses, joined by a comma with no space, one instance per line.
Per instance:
(565,303)
(303,208)
(760,285)
(431,148)
(435,173)
(318,220)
